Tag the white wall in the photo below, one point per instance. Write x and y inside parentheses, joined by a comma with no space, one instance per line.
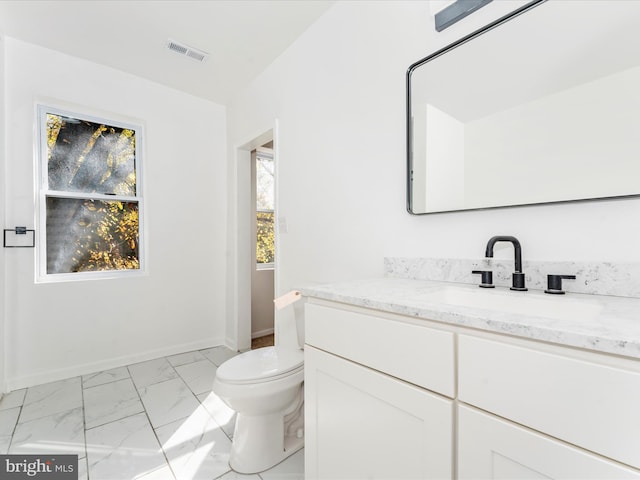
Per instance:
(262,309)
(63,329)
(540,142)
(445,147)
(3,338)
(338,94)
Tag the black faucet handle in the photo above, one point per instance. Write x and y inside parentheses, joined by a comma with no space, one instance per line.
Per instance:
(518,282)
(554,283)
(486,279)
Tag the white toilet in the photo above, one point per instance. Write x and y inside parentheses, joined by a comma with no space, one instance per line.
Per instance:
(265,388)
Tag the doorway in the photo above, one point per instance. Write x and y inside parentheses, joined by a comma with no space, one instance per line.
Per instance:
(242,257)
(263,245)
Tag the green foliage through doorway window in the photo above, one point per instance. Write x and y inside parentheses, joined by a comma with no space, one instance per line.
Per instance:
(265,203)
(265,248)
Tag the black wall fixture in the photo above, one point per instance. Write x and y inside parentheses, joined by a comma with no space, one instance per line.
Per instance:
(19,237)
(457,11)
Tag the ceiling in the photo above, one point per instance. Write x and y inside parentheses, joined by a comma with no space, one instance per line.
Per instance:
(241,37)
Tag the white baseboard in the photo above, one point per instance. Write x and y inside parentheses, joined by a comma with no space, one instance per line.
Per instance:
(261,333)
(107,364)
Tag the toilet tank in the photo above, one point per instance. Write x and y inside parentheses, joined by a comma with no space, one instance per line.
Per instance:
(289,326)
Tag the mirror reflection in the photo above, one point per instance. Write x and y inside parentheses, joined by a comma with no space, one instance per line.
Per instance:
(543,106)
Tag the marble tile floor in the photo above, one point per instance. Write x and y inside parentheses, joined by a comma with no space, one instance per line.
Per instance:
(155,420)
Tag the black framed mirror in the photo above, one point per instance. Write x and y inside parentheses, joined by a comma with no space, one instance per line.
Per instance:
(540,106)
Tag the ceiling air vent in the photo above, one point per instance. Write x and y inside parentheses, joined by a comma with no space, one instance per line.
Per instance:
(183,49)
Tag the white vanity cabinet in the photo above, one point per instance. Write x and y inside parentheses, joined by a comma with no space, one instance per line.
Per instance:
(555,399)
(389,396)
(367,421)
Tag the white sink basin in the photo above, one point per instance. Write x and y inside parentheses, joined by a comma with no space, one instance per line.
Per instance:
(559,307)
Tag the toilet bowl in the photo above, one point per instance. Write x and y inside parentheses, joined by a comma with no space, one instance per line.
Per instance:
(265,388)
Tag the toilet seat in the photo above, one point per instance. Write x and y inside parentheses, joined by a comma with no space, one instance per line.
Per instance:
(261,365)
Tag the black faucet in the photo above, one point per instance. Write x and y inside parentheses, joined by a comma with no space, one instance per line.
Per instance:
(518,276)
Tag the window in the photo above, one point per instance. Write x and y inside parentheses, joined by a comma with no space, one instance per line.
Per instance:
(90,201)
(265,202)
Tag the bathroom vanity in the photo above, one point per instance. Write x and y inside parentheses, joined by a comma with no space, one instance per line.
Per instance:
(422,379)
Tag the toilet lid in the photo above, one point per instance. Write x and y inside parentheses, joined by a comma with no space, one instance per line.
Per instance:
(260,365)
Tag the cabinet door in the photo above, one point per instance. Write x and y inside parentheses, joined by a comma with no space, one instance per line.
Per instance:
(492,448)
(364,424)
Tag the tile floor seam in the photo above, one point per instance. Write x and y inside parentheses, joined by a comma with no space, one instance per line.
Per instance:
(195,394)
(200,406)
(84,426)
(105,383)
(6,395)
(153,429)
(154,383)
(182,378)
(110,422)
(228,436)
(15,426)
(173,420)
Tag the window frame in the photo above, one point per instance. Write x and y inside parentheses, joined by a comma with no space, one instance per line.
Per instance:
(43,192)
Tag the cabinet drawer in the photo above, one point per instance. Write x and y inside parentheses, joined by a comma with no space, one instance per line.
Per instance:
(414,353)
(491,448)
(588,404)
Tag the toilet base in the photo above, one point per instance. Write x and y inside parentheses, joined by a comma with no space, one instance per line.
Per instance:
(260,442)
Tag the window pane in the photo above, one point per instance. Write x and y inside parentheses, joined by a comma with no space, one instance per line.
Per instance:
(265,192)
(91,235)
(265,247)
(83,156)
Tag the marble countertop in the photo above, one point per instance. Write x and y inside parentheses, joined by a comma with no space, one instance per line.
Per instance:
(602,323)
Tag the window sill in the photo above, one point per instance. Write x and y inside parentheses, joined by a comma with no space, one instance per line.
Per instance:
(90,276)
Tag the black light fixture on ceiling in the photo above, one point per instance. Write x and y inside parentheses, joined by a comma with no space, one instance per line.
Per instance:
(457,11)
